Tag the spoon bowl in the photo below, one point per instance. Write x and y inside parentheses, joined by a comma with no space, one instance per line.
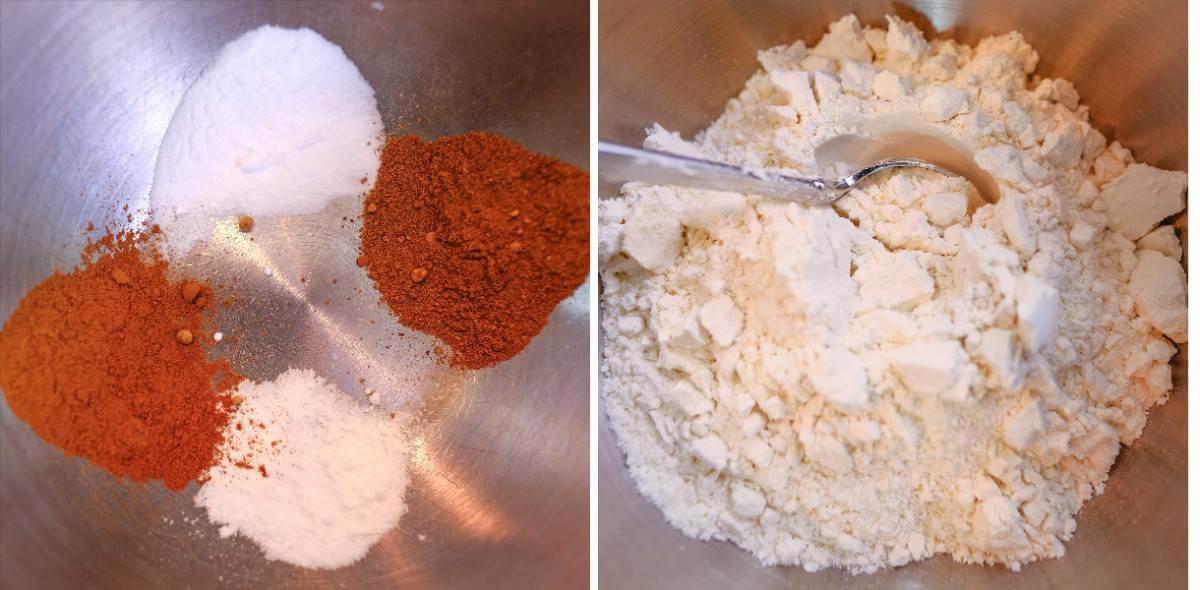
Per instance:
(889,139)
(623,163)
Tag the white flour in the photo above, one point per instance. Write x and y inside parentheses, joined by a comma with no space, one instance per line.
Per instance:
(872,385)
(333,473)
(280,123)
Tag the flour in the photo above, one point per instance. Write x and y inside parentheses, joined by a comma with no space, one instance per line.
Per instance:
(280,123)
(308,475)
(896,377)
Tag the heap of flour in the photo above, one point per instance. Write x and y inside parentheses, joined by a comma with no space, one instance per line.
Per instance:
(280,123)
(895,377)
(310,476)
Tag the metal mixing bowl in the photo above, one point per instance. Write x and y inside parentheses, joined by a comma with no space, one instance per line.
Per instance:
(678,62)
(499,492)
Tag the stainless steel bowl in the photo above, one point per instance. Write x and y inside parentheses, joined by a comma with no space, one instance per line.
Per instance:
(678,62)
(500,483)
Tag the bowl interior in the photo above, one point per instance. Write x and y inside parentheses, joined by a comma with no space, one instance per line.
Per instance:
(677,63)
(500,480)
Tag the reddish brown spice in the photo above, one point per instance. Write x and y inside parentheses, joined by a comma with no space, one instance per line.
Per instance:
(96,366)
(440,240)
(190,291)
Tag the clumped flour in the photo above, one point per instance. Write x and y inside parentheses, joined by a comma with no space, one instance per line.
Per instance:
(892,378)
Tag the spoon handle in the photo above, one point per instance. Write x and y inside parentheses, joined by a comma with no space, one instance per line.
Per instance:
(624,163)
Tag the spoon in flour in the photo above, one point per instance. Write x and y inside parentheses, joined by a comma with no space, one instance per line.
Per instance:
(624,163)
(897,137)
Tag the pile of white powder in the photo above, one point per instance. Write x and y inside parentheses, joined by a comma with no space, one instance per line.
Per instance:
(310,476)
(892,378)
(280,123)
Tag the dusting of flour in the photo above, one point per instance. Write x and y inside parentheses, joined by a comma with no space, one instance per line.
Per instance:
(895,377)
(281,122)
(310,476)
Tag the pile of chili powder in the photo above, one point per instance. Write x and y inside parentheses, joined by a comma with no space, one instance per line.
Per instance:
(94,362)
(474,239)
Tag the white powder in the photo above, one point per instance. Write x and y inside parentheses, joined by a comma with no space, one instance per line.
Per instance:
(335,472)
(893,378)
(280,123)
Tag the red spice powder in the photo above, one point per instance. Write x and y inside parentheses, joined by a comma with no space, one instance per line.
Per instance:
(474,239)
(91,361)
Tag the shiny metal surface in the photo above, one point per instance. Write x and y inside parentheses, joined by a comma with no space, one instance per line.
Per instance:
(620,163)
(624,163)
(886,138)
(678,62)
(499,492)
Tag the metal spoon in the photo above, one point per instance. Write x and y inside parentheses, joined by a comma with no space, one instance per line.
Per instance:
(624,163)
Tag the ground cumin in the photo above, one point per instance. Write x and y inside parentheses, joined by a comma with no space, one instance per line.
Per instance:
(92,362)
(474,239)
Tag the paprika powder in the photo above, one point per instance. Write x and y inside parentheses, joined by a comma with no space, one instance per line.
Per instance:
(93,361)
(474,239)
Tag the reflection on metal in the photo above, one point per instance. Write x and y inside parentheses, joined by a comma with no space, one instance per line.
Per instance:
(227,241)
(452,491)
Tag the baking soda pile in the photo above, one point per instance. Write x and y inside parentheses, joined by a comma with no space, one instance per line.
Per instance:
(312,477)
(280,123)
(895,377)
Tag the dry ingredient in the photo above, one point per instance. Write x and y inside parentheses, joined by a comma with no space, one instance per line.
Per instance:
(896,377)
(308,475)
(91,360)
(190,291)
(184,336)
(281,122)
(108,361)
(474,240)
